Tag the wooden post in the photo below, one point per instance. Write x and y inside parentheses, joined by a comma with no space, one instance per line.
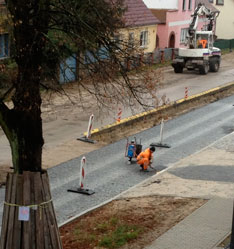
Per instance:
(40,230)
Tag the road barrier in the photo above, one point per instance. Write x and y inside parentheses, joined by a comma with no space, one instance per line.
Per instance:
(160,144)
(148,119)
(186,92)
(81,189)
(90,126)
(119,114)
(82,172)
(87,136)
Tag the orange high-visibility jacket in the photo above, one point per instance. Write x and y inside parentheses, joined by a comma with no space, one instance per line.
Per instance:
(145,156)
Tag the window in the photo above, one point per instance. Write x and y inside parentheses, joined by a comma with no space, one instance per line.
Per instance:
(190,5)
(219,2)
(184,5)
(4,46)
(144,38)
(183,35)
(211,1)
(203,41)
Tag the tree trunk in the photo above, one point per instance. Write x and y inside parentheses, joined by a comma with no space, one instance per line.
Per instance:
(30,190)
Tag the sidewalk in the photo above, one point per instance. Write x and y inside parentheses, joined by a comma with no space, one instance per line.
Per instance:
(203,229)
(207,174)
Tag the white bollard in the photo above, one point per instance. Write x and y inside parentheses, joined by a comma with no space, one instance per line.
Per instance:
(86,137)
(161,131)
(90,126)
(161,138)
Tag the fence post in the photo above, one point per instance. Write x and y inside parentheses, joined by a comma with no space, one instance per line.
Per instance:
(162,56)
(172,53)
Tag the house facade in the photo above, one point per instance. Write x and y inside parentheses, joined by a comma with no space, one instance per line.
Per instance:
(225,18)
(174,22)
(140,26)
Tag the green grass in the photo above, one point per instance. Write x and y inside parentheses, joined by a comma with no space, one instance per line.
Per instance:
(112,233)
(120,236)
(225,51)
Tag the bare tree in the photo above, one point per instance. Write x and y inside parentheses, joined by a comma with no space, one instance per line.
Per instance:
(45,32)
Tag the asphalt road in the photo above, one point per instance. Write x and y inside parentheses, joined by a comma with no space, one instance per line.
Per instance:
(63,122)
(107,172)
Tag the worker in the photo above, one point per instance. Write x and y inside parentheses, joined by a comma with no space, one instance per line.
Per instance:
(144,159)
(131,151)
(202,43)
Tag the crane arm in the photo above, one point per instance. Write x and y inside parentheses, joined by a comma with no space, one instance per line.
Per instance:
(201,10)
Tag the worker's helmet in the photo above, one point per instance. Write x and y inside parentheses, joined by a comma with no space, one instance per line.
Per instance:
(152,148)
(132,142)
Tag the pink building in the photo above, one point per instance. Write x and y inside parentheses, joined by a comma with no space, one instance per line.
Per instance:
(174,22)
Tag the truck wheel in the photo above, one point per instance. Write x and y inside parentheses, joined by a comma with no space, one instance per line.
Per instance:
(204,69)
(214,65)
(178,69)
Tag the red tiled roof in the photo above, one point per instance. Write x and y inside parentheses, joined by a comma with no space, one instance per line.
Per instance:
(137,14)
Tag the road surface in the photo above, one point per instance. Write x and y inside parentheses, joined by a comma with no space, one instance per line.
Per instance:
(108,174)
(67,122)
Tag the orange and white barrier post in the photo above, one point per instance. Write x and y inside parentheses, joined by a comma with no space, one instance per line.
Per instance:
(186,93)
(119,114)
(88,135)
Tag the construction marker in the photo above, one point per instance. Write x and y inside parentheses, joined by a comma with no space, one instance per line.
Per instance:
(186,93)
(90,126)
(119,114)
(82,172)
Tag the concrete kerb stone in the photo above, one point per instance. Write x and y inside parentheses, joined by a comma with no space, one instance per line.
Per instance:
(151,118)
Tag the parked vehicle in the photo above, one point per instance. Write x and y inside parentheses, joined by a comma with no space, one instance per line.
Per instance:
(200,53)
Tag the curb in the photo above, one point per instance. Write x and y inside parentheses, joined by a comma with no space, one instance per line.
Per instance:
(153,117)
